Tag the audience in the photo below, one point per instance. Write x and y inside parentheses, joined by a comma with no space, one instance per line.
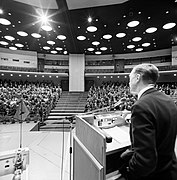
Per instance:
(39,98)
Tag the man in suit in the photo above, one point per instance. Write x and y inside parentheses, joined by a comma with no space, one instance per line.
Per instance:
(153,129)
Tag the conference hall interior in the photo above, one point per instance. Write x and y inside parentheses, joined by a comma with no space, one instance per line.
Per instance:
(64,66)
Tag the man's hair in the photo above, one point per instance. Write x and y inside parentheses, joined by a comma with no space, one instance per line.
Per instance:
(148,72)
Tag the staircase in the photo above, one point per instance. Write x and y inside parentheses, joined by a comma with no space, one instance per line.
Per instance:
(69,104)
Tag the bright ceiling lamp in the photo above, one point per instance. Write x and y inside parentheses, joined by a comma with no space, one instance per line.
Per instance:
(90,49)
(19,45)
(46,47)
(133,23)
(22,33)
(136,39)
(120,35)
(139,49)
(169,25)
(81,38)
(65,52)
(96,43)
(54,52)
(4,43)
(13,48)
(51,42)
(103,48)
(151,29)
(36,35)
(59,48)
(91,28)
(10,38)
(97,52)
(130,46)
(61,37)
(46,27)
(146,44)
(107,36)
(4,21)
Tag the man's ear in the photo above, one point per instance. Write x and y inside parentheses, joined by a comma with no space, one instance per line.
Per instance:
(138,77)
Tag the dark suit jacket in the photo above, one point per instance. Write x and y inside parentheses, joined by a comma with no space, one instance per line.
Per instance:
(153,135)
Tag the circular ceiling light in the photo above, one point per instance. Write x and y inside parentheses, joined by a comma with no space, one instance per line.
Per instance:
(96,43)
(90,49)
(65,52)
(46,47)
(120,35)
(97,52)
(22,33)
(133,23)
(169,25)
(51,42)
(10,38)
(151,29)
(136,39)
(54,52)
(130,46)
(36,35)
(91,28)
(13,48)
(59,48)
(81,38)
(4,43)
(19,45)
(139,49)
(61,37)
(107,36)
(46,28)
(4,21)
(103,48)
(146,44)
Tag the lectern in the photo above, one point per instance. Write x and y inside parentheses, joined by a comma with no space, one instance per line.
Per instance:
(93,157)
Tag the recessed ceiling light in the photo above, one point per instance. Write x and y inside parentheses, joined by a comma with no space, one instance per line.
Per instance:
(91,28)
(103,48)
(36,35)
(97,52)
(139,49)
(51,42)
(11,74)
(19,45)
(133,23)
(46,28)
(4,21)
(58,48)
(13,48)
(20,75)
(89,19)
(130,46)
(146,44)
(151,29)
(90,49)
(65,52)
(120,35)
(10,38)
(54,52)
(61,37)
(107,36)
(22,33)
(46,47)
(96,43)
(136,39)
(4,43)
(169,25)
(81,38)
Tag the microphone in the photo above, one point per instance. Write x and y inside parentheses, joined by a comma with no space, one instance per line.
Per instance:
(121,101)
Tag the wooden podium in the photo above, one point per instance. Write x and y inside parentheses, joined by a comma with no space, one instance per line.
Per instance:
(93,157)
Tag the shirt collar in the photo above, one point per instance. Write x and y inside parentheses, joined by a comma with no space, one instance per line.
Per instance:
(145,89)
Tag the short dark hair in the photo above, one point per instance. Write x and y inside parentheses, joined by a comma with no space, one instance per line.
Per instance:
(149,73)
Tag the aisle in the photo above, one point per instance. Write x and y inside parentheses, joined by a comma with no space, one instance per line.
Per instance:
(45,151)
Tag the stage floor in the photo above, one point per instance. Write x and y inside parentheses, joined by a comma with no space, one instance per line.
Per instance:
(45,151)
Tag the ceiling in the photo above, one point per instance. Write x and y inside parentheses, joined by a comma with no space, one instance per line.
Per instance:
(68,19)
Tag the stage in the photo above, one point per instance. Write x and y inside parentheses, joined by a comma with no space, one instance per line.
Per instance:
(45,151)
